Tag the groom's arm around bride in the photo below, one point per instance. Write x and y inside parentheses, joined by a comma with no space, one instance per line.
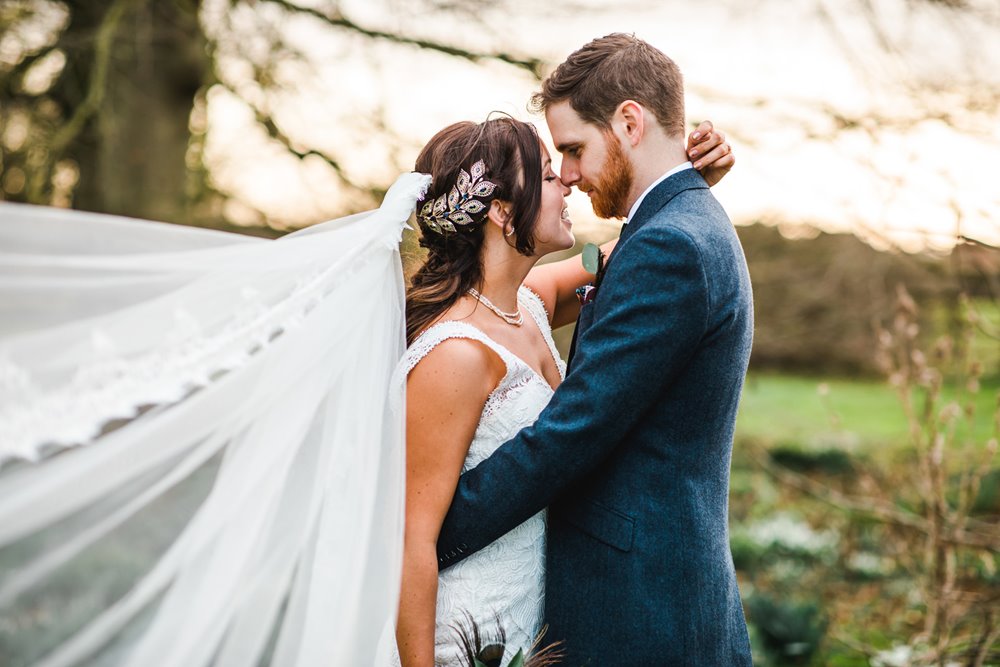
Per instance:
(632,454)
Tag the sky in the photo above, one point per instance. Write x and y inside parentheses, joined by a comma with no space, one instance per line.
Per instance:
(832,130)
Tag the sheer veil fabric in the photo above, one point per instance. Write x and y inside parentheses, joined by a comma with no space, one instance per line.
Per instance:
(201,440)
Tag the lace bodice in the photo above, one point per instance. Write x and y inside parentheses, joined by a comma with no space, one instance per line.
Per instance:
(507,578)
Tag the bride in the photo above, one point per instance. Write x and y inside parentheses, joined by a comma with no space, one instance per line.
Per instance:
(198,461)
(482,364)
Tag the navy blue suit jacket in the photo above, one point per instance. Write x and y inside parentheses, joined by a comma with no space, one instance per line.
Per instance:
(632,454)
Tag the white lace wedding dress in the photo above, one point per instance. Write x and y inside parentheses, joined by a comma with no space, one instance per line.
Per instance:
(505,580)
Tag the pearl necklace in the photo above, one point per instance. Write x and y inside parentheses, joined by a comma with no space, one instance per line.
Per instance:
(515,318)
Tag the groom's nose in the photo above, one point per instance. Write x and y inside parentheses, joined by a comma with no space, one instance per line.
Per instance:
(569,173)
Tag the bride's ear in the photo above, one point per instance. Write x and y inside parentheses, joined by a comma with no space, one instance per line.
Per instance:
(499,215)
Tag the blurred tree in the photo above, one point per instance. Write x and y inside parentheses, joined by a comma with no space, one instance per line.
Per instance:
(102,105)
(817,297)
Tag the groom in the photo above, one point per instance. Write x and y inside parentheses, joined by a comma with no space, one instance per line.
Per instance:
(632,454)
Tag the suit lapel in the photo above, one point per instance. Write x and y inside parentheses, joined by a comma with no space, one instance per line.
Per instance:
(660,196)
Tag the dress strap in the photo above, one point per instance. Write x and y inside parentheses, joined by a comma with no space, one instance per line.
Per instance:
(536,308)
(442,331)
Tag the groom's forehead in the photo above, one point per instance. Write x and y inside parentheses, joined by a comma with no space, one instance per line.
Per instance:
(567,127)
(563,115)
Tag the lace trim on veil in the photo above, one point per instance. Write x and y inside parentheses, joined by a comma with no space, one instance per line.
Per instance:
(112,387)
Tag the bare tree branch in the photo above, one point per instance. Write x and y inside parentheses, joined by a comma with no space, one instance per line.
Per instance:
(268,122)
(532,65)
(971,241)
(991,633)
(985,538)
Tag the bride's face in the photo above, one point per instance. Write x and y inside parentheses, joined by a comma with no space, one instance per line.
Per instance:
(554,230)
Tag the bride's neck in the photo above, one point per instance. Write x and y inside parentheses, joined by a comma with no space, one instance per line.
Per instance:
(504,269)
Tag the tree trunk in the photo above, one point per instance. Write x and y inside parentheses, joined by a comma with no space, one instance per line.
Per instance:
(131,153)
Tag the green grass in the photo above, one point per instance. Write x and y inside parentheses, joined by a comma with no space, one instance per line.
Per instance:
(856,415)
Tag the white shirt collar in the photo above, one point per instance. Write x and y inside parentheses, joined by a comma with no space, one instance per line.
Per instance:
(635,207)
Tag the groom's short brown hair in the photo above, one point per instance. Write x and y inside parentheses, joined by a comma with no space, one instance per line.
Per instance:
(604,73)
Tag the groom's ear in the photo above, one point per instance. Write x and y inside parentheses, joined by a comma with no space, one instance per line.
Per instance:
(631,121)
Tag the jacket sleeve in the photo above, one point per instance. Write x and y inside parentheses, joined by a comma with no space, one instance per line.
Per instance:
(652,312)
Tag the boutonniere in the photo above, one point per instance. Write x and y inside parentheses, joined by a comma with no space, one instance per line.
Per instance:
(593,262)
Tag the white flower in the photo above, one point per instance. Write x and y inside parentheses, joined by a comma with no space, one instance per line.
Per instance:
(866,562)
(897,656)
(791,533)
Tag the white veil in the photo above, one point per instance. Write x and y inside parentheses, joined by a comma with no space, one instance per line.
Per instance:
(198,461)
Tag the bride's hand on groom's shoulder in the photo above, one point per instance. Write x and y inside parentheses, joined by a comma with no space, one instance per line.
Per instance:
(710,153)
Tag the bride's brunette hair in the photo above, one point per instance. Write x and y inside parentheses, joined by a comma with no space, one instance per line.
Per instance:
(511,154)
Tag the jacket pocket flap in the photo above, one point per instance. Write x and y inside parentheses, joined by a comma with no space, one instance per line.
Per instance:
(603,524)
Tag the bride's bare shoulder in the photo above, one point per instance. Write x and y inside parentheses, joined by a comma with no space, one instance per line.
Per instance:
(446,392)
(457,367)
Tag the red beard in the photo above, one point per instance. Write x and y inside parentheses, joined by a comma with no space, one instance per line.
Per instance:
(610,195)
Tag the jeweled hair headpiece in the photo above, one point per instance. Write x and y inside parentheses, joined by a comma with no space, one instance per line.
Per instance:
(458,207)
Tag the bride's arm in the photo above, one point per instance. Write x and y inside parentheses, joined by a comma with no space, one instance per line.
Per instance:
(556,283)
(445,394)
